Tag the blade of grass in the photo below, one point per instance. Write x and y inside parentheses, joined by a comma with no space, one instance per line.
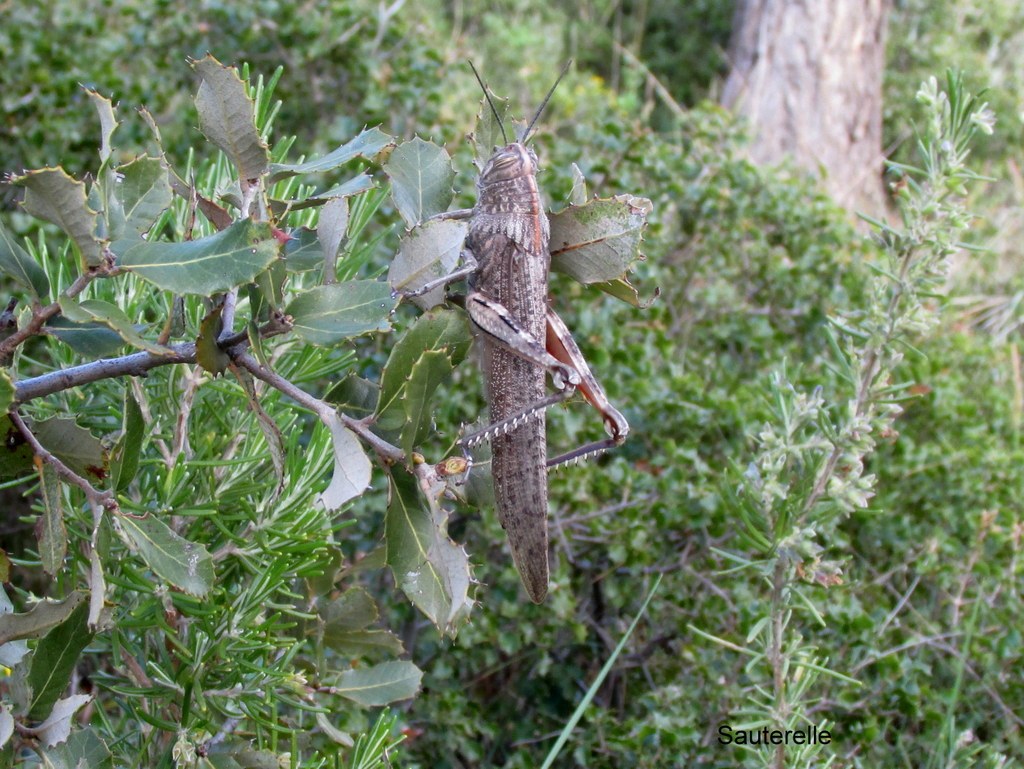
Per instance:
(585,702)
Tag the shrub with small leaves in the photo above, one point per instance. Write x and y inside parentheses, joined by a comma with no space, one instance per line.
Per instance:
(180,479)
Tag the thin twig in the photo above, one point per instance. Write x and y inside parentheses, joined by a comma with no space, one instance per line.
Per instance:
(180,444)
(94,495)
(134,364)
(227,315)
(42,314)
(610,510)
(147,418)
(559,527)
(249,190)
(930,641)
(899,605)
(322,409)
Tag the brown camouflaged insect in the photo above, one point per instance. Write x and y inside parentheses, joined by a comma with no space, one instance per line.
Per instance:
(506,261)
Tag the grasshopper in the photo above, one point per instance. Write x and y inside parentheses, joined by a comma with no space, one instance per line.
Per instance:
(521,339)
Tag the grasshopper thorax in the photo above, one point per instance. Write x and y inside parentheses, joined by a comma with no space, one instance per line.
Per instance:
(507,187)
(513,161)
(508,200)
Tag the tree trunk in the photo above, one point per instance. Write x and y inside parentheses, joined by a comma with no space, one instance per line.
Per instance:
(807,75)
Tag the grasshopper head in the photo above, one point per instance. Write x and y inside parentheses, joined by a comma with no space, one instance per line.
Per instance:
(513,161)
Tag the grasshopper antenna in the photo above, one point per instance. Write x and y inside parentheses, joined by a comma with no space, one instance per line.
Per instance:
(543,104)
(483,87)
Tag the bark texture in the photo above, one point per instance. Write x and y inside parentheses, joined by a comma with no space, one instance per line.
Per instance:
(807,74)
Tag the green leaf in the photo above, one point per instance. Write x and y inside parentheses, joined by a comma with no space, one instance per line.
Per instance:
(6,726)
(598,241)
(332,732)
(270,284)
(54,661)
(73,445)
(440,586)
(227,119)
(431,250)
(110,315)
(622,289)
(352,610)
(83,750)
(354,395)
(352,469)
(57,726)
(6,391)
(347,189)
(50,532)
(11,652)
(54,196)
(421,176)
(330,314)
(431,570)
(108,122)
(331,229)
(16,262)
(578,193)
(368,144)
(15,454)
(488,134)
(350,188)
(332,563)
(145,192)
(151,124)
(303,251)
(234,754)
(208,352)
(365,643)
(439,330)
(95,340)
(218,758)
(186,565)
(133,429)
(97,585)
(372,561)
(40,620)
(102,195)
(380,684)
(206,266)
(431,369)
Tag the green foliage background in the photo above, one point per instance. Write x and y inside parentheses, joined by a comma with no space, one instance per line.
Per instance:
(750,261)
